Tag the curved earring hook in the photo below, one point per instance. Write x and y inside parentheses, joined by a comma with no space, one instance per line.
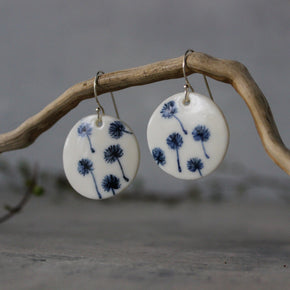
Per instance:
(183,68)
(99,73)
(187,84)
(100,110)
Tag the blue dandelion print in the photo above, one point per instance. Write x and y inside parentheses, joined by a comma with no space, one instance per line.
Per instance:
(111,183)
(117,130)
(194,164)
(169,110)
(85,166)
(112,154)
(159,156)
(201,133)
(175,141)
(85,130)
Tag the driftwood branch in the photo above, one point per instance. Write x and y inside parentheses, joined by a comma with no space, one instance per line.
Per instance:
(226,71)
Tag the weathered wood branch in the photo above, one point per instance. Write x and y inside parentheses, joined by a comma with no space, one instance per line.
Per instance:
(226,71)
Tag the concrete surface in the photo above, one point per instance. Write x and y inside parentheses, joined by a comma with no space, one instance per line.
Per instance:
(143,245)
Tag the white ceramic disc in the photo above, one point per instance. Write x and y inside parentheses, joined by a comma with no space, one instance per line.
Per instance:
(188,141)
(100,162)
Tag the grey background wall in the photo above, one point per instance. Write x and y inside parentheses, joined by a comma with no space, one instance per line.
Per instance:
(47,46)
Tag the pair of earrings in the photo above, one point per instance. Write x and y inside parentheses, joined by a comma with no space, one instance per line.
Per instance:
(187,135)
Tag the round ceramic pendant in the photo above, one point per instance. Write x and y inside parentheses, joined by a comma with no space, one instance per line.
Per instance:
(100,161)
(188,141)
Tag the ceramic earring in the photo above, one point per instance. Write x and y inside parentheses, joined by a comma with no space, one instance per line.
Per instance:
(187,134)
(101,154)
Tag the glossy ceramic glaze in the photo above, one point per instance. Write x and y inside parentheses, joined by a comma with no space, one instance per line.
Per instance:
(188,141)
(100,161)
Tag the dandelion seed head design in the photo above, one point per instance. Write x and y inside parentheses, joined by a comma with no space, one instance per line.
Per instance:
(169,109)
(159,156)
(111,182)
(85,166)
(194,164)
(112,153)
(174,141)
(201,133)
(116,129)
(85,129)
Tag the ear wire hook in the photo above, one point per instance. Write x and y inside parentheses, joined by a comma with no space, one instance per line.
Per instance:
(100,110)
(187,85)
(99,73)
(115,105)
(207,86)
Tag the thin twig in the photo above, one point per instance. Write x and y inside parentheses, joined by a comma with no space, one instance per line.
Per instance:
(28,193)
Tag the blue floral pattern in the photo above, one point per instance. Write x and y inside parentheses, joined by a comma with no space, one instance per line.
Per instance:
(117,129)
(201,133)
(169,110)
(85,166)
(187,141)
(112,154)
(85,130)
(194,164)
(109,154)
(159,156)
(111,183)
(175,141)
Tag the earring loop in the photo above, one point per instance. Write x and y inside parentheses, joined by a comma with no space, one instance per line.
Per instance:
(99,73)
(187,85)
(100,110)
